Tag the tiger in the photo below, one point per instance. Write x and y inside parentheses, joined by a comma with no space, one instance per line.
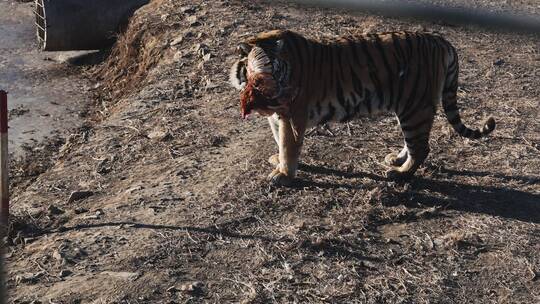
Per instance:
(299,83)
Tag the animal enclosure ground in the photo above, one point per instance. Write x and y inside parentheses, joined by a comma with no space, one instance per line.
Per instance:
(161,197)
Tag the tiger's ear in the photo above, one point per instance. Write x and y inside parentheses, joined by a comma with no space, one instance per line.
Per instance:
(279,45)
(243,49)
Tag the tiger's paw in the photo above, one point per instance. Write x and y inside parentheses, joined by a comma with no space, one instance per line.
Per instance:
(393,159)
(278,178)
(274,159)
(396,174)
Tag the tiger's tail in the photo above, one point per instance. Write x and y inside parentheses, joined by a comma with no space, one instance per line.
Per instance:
(449,102)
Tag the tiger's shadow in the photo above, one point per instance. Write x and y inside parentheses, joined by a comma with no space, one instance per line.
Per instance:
(444,192)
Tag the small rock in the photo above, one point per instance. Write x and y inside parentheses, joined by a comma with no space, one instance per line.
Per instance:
(177,40)
(104,166)
(34,212)
(193,287)
(200,48)
(64,273)
(369,264)
(179,55)
(100,212)
(136,188)
(57,255)
(79,195)
(192,21)
(160,135)
(210,85)
(91,217)
(428,243)
(172,289)
(28,277)
(187,10)
(80,210)
(79,252)
(132,276)
(28,240)
(439,242)
(53,210)
(499,62)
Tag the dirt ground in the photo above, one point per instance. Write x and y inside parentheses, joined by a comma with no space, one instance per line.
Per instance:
(161,197)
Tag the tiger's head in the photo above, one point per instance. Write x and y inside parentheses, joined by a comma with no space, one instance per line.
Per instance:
(263,76)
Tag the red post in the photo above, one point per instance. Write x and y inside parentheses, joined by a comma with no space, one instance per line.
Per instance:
(4,184)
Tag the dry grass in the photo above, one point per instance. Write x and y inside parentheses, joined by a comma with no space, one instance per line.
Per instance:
(192,215)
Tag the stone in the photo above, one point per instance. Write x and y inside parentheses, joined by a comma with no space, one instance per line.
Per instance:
(132,276)
(160,135)
(79,195)
(187,10)
(177,40)
(64,273)
(80,210)
(192,21)
(53,210)
(498,62)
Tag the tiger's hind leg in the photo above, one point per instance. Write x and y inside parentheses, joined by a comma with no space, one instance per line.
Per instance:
(416,131)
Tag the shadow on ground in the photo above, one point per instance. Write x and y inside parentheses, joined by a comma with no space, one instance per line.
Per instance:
(492,200)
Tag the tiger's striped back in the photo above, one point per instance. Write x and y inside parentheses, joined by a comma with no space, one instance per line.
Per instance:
(401,72)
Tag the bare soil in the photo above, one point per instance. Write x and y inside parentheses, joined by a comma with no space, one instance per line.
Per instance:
(163,197)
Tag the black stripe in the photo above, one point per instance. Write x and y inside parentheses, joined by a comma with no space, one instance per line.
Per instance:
(298,54)
(339,95)
(356,103)
(452,52)
(372,72)
(416,137)
(329,115)
(322,60)
(409,44)
(367,100)
(415,126)
(357,84)
(331,69)
(414,109)
(354,51)
(339,51)
(316,63)
(436,66)
(412,95)
(342,101)
(402,68)
(390,82)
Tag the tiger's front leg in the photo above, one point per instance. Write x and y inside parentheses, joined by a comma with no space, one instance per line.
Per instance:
(274,126)
(290,139)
